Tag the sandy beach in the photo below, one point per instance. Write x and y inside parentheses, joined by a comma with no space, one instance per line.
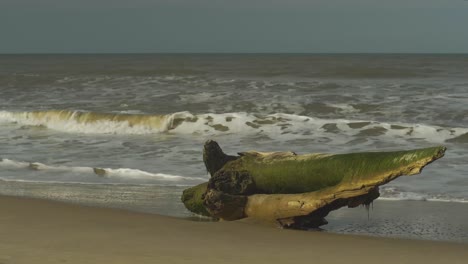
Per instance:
(40,231)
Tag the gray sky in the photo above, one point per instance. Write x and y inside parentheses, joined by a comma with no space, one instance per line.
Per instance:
(114,26)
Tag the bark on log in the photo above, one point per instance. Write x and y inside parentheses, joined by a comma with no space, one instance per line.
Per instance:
(298,190)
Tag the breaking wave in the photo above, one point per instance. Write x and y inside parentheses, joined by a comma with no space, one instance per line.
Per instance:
(274,125)
(122,173)
(393,194)
(91,122)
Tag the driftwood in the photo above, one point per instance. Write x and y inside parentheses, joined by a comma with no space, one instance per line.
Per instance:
(297,191)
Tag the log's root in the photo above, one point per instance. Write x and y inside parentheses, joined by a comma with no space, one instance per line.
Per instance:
(233,182)
(214,157)
(223,205)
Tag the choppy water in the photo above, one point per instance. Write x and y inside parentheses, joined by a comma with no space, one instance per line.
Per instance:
(142,119)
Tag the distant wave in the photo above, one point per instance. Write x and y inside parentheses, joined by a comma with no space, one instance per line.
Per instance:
(123,173)
(274,125)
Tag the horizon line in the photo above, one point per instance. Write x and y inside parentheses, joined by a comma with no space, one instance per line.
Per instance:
(235,53)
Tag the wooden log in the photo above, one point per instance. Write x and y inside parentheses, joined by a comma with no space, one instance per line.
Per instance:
(300,190)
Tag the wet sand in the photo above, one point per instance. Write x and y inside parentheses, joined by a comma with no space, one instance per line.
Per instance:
(428,220)
(40,231)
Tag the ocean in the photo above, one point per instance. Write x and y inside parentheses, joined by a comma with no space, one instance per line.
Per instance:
(127,131)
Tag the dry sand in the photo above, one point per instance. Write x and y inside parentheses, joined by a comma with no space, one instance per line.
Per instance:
(38,231)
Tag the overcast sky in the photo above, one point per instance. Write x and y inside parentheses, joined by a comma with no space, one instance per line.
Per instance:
(315,26)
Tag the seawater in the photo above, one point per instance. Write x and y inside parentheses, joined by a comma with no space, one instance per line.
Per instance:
(86,123)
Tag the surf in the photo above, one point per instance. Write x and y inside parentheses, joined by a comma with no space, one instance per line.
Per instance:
(101,172)
(278,126)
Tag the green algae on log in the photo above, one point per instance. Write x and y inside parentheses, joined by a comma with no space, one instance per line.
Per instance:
(298,190)
(193,199)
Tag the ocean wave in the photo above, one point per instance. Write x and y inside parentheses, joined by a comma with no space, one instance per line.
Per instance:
(168,184)
(92,122)
(277,125)
(122,173)
(393,194)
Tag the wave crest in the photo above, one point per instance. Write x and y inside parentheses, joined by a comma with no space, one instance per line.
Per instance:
(279,126)
(122,173)
(92,122)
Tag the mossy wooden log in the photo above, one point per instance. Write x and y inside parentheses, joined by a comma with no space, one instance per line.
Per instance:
(300,190)
(193,199)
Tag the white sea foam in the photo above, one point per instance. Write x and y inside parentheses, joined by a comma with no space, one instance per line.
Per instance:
(203,97)
(344,108)
(7,163)
(123,173)
(165,184)
(423,197)
(393,194)
(279,126)
(139,174)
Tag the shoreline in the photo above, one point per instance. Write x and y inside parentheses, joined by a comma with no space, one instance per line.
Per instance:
(42,231)
(411,219)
